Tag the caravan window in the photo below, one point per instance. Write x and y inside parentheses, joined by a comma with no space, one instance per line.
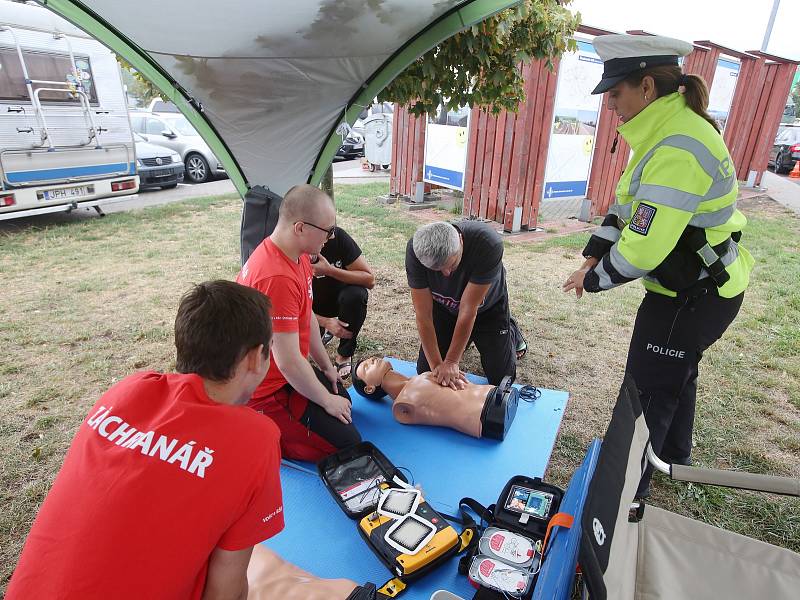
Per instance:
(44,66)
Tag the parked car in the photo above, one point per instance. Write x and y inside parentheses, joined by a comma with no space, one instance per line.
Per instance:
(158,167)
(353,147)
(173,131)
(786,149)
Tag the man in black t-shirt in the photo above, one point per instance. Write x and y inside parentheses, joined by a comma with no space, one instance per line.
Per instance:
(341,280)
(458,287)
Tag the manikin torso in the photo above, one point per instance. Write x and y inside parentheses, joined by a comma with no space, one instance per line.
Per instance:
(422,401)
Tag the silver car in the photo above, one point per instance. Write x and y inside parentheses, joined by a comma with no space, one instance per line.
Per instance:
(173,131)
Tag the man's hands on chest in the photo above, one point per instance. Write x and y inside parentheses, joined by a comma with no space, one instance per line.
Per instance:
(448,374)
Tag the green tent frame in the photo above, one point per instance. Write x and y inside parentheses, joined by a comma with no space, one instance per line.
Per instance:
(463,16)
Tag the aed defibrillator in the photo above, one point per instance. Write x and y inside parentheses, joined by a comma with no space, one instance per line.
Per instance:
(509,551)
(395,521)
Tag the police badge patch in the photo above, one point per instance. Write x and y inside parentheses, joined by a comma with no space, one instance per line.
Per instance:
(642,219)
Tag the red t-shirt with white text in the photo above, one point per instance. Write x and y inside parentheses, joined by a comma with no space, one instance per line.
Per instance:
(157,477)
(288,286)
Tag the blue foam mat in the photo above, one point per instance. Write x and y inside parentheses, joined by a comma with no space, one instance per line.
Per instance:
(449,466)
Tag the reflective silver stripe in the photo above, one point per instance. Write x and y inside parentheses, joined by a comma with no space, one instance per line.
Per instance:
(707,255)
(731,255)
(625,268)
(720,188)
(607,232)
(727,259)
(604,279)
(623,211)
(722,177)
(669,197)
(713,219)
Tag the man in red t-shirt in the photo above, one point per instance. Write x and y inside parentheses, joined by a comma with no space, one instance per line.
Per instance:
(171,479)
(310,406)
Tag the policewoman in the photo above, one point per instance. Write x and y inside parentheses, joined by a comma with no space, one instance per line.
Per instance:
(674,225)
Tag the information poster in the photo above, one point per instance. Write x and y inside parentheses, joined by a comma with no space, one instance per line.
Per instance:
(446,148)
(574,123)
(720,96)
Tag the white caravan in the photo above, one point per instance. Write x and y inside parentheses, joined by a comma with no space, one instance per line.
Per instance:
(65,136)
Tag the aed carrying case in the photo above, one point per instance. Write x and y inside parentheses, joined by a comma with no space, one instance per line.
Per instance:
(506,559)
(354,477)
(393,518)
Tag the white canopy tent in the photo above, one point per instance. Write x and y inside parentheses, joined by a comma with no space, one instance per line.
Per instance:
(266,83)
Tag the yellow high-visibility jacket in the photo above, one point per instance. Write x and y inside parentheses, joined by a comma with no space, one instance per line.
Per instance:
(680,174)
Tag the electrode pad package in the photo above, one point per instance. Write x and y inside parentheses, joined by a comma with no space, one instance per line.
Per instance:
(499,576)
(510,547)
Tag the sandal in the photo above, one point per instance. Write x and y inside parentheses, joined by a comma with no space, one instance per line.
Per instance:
(344,368)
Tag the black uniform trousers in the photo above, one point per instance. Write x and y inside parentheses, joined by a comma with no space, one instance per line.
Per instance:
(492,334)
(348,303)
(669,338)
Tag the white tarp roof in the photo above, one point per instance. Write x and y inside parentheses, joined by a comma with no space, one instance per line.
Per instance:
(274,78)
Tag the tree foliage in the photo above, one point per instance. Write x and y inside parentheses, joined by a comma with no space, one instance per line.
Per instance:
(795,94)
(139,86)
(479,66)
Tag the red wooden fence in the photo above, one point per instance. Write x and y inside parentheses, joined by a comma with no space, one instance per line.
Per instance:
(408,151)
(761,92)
(507,153)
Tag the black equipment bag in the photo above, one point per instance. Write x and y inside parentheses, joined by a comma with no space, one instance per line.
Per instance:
(259,217)
(353,477)
(504,515)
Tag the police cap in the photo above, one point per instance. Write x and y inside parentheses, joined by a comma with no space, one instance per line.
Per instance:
(625,54)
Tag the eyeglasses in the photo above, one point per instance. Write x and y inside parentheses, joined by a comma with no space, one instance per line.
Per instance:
(328,232)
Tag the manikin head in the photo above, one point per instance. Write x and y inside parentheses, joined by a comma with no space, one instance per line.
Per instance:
(438,247)
(368,376)
(309,215)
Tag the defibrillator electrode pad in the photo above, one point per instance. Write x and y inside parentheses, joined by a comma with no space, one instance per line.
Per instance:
(497,575)
(396,503)
(410,534)
(508,546)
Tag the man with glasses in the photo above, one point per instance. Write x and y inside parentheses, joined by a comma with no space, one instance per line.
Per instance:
(310,405)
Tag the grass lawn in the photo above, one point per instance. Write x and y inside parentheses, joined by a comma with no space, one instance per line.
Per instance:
(86,301)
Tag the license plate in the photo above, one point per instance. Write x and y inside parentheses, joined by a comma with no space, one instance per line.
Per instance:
(67,193)
(162,173)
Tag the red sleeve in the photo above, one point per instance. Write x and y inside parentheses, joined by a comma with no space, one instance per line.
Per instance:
(286,300)
(263,516)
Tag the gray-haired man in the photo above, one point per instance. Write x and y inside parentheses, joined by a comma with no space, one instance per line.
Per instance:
(458,287)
